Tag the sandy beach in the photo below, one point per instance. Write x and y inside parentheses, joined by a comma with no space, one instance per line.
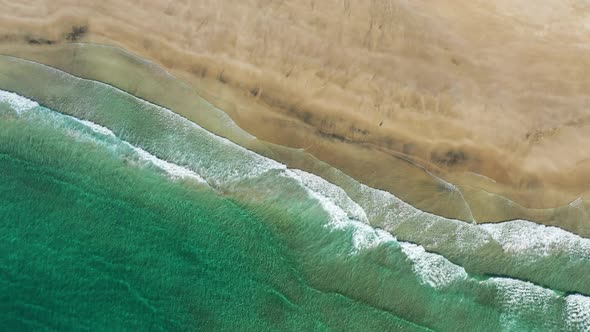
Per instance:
(417,98)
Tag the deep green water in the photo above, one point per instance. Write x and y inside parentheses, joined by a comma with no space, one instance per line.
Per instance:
(97,233)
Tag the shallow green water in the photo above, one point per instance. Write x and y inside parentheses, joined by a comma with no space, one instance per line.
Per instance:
(97,233)
(92,243)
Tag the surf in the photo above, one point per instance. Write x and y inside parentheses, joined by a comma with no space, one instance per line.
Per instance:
(344,218)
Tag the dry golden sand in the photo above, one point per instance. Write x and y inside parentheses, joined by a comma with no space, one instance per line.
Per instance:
(491,96)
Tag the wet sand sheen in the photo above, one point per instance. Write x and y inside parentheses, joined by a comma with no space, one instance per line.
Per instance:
(99,62)
(404,92)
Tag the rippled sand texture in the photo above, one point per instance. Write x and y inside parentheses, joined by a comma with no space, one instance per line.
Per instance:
(489,97)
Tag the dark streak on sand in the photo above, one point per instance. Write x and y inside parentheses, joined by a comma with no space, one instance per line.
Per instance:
(450,158)
(77,33)
(38,41)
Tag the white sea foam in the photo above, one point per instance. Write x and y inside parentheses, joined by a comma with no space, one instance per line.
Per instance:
(96,128)
(516,297)
(384,205)
(18,103)
(432,269)
(376,204)
(513,293)
(577,312)
(517,237)
(333,193)
(22,104)
(344,213)
(173,170)
(384,208)
(210,159)
(227,167)
(520,236)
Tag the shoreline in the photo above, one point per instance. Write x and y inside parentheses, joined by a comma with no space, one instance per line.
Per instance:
(402,92)
(431,270)
(91,58)
(511,236)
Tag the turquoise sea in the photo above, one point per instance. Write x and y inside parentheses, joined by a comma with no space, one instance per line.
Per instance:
(120,215)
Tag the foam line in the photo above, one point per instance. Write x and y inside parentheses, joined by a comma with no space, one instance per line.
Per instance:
(18,103)
(347,215)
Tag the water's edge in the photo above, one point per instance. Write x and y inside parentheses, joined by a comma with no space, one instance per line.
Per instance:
(124,70)
(209,159)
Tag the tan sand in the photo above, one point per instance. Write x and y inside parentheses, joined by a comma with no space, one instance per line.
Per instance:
(489,96)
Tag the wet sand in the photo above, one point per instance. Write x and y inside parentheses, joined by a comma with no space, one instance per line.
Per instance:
(488,98)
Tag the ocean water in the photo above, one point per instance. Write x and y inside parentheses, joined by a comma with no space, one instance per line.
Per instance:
(117,214)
